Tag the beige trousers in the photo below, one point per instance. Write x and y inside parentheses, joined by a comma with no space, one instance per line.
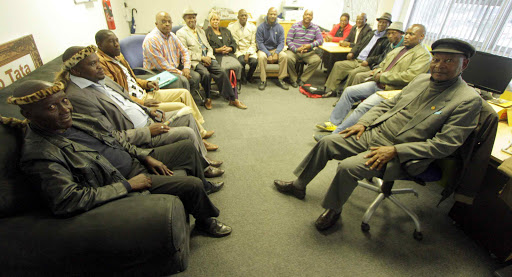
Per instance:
(283,64)
(175,99)
(310,58)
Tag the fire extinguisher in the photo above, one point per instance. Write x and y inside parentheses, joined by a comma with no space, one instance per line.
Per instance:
(107,8)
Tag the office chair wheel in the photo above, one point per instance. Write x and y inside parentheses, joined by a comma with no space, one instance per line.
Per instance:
(417,235)
(365,227)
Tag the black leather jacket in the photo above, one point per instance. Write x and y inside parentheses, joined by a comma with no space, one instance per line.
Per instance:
(378,51)
(74,178)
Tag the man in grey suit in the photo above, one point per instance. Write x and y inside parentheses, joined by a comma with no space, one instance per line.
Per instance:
(94,94)
(429,120)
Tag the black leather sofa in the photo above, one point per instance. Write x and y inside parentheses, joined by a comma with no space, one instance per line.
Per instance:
(145,235)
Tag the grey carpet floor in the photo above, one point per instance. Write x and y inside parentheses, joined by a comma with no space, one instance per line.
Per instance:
(274,234)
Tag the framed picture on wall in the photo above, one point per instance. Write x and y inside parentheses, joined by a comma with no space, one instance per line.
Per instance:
(17,59)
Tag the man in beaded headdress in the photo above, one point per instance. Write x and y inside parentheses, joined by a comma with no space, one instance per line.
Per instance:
(94,94)
(79,164)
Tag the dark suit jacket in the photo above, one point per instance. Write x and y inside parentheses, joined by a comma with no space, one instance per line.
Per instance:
(215,42)
(352,35)
(95,103)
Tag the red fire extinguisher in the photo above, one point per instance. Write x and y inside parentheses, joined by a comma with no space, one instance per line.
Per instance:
(107,8)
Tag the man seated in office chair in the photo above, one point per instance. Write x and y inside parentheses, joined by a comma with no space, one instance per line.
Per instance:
(117,68)
(79,165)
(163,51)
(94,94)
(398,68)
(429,120)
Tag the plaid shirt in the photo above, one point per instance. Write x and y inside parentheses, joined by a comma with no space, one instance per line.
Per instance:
(298,36)
(164,52)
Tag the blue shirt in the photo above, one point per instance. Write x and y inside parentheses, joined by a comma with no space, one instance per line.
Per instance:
(270,37)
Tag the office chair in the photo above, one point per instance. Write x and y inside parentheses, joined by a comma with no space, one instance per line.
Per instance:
(385,190)
(465,170)
(176,28)
(131,48)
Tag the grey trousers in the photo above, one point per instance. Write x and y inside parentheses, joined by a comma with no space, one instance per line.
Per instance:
(182,82)
(351,168)
(183,127)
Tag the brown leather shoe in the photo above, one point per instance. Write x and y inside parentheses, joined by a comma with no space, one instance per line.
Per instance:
(210,146)
(212,172)
(207,134)
(208,104)
(289,188)
(214,163)
(327,219)
(237,104)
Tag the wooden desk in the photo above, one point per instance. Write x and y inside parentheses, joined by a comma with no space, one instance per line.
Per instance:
(333,52)
(503,138)
(334,48)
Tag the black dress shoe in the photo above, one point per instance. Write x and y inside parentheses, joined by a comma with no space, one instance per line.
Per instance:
(289,188)
(213,227)
(214,187)
(282,84)
(212,172)
(327,219)
(294,84)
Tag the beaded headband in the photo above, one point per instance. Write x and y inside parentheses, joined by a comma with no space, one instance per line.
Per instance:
(36,96)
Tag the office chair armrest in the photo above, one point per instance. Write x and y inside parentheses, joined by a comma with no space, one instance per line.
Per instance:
(142,71)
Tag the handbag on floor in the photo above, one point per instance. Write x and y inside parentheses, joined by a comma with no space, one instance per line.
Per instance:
(232,80)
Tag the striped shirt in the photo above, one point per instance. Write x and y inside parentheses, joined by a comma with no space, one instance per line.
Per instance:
(163,52)
(298,35)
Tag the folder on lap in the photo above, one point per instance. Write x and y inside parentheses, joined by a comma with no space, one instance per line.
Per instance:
(164,78)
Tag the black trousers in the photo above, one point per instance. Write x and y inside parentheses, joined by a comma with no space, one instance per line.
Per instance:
(253,63)
(190,189)
(221,79)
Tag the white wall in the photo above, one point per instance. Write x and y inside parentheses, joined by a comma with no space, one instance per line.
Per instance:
(326,12)
(57,24)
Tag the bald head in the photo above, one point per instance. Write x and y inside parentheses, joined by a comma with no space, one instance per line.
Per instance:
(271,15)
(242,17)
(361,20)
(307,17)
(414,35)
(163,22)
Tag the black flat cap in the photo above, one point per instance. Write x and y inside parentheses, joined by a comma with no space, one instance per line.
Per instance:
(453,45)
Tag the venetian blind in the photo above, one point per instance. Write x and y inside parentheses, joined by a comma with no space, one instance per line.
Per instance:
(486,24)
